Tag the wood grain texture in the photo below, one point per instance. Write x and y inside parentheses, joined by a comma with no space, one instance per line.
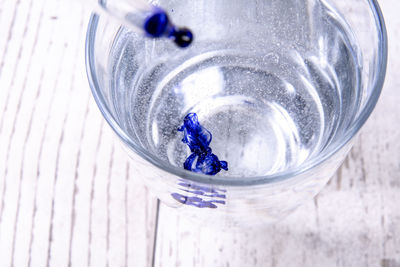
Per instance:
(67,197)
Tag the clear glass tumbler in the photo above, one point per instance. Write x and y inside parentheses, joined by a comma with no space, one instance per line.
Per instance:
(283,86)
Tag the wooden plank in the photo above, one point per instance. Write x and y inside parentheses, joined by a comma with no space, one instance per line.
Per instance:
(13,133)
(67,195)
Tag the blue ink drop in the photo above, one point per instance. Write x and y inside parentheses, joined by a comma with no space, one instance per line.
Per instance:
(158,25)
(182,37)
(198,138)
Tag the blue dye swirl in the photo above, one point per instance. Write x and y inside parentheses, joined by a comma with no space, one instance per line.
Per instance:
(158,25)
(198,138)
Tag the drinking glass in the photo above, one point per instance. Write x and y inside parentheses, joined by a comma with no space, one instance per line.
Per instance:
(283,86)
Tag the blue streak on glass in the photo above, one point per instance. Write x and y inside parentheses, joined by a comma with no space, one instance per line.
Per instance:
(196,201)
(201,193)
(198,138)
(158,25)
(200,196)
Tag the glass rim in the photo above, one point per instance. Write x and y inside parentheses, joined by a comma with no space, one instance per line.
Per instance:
(234,180)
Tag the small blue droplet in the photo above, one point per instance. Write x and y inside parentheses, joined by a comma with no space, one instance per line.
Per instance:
(157,24)
(182,37)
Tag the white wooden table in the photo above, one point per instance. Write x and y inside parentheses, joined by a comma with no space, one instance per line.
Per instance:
(67,197)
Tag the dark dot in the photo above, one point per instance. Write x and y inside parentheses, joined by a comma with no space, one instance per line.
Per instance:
(156,24)
(182,37)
